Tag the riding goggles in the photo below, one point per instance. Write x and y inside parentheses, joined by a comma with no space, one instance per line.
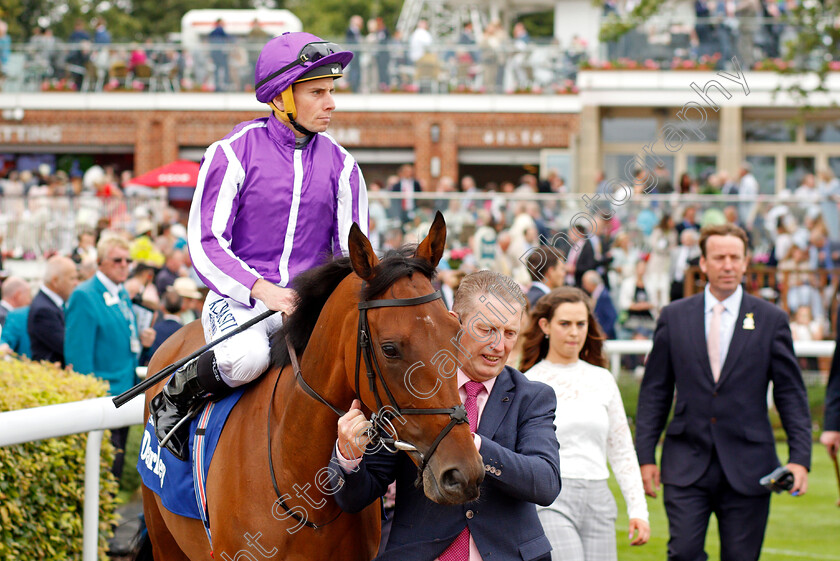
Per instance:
(311,52)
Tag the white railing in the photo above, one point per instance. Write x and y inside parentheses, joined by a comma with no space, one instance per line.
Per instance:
(93,416)
(642,347)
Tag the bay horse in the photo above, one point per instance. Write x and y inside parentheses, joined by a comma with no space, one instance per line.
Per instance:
(286,425)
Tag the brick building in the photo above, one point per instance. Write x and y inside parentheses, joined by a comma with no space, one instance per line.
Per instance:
(492,137)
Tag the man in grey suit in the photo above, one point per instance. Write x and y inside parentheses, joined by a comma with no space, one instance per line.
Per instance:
(720,350)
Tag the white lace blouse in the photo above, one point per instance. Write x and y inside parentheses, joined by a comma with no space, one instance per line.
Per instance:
(592,428)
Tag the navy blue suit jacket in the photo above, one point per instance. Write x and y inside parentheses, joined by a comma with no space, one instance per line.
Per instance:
(534,294)
(45,327)
(832,390)
(164,329)
(729,416)
(605,313)
(518,440)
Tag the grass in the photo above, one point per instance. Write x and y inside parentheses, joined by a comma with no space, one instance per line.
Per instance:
(800,528)
(130,480)
(803,527)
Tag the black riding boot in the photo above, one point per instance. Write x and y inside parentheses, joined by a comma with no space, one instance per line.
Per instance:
(190,385)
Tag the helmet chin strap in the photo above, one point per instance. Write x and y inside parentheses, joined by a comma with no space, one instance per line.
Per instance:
(289,112)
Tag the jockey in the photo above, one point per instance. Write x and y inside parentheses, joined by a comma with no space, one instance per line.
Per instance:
(274,198)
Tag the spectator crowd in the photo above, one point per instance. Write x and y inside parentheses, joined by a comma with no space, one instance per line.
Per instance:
(108,302)
(632,261)
(475,57)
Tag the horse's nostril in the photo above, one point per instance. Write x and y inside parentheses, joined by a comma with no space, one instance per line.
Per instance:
(453,481)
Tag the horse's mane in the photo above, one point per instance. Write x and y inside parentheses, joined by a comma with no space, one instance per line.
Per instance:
(316,285)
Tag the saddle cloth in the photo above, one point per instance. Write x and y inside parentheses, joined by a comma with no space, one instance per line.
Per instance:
(181,484)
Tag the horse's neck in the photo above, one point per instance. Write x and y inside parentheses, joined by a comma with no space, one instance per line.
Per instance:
(301,418)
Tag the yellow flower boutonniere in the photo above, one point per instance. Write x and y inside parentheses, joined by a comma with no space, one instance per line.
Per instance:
(749,322)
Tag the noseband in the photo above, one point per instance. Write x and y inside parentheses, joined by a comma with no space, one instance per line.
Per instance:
(381,425)
(381,419)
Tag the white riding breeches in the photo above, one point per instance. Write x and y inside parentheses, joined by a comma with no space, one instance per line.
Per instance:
(243,357)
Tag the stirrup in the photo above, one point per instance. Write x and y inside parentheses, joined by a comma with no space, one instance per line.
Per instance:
(190,414)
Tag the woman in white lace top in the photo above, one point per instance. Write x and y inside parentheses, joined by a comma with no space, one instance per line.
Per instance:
(564,349)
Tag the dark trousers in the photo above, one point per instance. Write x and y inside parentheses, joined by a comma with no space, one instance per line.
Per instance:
(741,519)
(118,438)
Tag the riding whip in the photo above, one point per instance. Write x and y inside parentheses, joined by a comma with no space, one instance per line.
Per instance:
(131,393)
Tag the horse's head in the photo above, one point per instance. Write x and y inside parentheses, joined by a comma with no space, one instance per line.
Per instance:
(407,363)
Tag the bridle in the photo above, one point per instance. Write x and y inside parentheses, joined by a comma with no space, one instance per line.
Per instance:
(381,425)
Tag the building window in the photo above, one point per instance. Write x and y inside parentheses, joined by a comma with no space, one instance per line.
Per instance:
(700,167)
(834,164)
(709,131)
(795,169)
(764,170)
(621,167)
(769,131)
(629,129)
(827,131)
(615,166)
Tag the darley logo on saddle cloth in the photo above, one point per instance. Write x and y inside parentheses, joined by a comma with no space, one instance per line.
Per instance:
(151,458)
(180,484)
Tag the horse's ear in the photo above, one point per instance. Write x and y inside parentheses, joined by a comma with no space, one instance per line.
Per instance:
(431,248)
(362,257)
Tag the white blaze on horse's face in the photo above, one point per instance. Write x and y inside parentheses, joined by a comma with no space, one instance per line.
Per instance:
(427,319)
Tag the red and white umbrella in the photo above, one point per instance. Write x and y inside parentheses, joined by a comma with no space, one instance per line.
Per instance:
(180,173)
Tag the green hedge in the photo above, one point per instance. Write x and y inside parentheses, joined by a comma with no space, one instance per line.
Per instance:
(42,483)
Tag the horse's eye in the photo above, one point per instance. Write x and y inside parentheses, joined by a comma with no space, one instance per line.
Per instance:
(390,350)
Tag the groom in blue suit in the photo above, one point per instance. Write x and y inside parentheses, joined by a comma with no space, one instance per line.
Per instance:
(720,350)
(102,337)
(515,438)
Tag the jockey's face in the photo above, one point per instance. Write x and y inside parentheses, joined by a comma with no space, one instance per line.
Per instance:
(314,103)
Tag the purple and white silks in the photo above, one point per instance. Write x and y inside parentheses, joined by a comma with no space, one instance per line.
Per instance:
(263,209)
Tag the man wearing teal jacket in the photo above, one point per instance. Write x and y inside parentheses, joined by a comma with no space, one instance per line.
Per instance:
(101,335)
(14,332)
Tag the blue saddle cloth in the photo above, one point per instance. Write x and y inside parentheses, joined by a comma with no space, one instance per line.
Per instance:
(181,484)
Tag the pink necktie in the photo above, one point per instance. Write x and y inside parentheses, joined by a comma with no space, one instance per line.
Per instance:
(459,550)
(713,341)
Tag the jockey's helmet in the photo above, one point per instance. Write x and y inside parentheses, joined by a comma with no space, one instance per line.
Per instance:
(291,58)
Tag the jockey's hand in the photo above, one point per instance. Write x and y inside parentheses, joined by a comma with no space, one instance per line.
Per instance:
(147,337)
(353,432)
(274,297)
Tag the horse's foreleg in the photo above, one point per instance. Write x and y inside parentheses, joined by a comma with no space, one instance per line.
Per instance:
(164,546)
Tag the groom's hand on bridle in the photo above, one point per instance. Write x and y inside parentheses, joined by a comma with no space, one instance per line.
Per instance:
(353,432)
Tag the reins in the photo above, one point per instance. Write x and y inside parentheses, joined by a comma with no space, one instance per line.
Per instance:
(381,418)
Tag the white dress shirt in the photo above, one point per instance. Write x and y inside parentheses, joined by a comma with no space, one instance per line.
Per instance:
(732,306)
(110,285)
(57,300)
